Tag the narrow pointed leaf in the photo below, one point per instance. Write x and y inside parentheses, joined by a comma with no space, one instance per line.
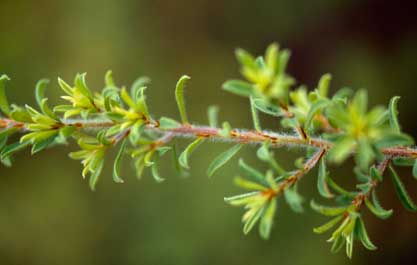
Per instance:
(375,174)
(326,210)
(341,150)
(155,170)
(267,107)
(378,206)
(222,159)
(393,114)
(183,159)
(40,90)
(4,104)
(404,162)
(255,116)
(402,192)
(322,180)
(337,245)
(267,220)
(249,185)
(213,113)
(316,108)
(179,96)
(116,165)
(241,199)
(12,148)
(327,226)
(41,145)
(252,221)
(363,235)
(252,173)
(415,169)
(294,200)
(379,212)
(239,88)
(324,82)
(94,177)
(168,123)
(395,139)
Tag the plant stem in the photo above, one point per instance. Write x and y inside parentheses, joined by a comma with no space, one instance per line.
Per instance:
(361,197)
(236,135)
(308,166)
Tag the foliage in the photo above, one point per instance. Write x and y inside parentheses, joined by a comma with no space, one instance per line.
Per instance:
(329,128)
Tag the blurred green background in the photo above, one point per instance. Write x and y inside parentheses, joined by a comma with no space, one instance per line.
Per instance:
(48,215)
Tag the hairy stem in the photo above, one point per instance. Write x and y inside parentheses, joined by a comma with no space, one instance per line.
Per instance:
(236,135)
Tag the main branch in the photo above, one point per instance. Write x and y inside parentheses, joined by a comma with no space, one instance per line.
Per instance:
(242,136)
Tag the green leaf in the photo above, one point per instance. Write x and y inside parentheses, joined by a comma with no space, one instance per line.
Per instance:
(394,139)
(378,206)
(226,129)
(393,114)
(20,114)
(168,123)
(378,211)
(81,84)
(65,87)
(255,116)
(360,230)
(267,220)
(327,211)
(242,199)
(265,155)
(4,104)
(212,113)
(251,221)
(108,79)
(155,171)
(294,200)
(402,192)
(375,175)
(3,140)
(365,154)
(246,59)
(323,87)
(337,245)
(327,226)
(40,90)
(252,173)
(41,145)
(404,162)
(271,56)
(316,108)
(46,110)
(94,177)
(222,159)
(13,148)
(341,149)
(415,169)
(183,159)
(250,185)
(116,165)
(176,162)
(267,107)
(238,87)
(322,180)
(179,96)
(139,84)
(360,101)
(263,152)
(349,246)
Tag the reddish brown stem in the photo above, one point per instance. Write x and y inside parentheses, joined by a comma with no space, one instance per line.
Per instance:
(236,135)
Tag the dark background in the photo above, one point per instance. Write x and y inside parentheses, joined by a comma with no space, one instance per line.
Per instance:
(48,215)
